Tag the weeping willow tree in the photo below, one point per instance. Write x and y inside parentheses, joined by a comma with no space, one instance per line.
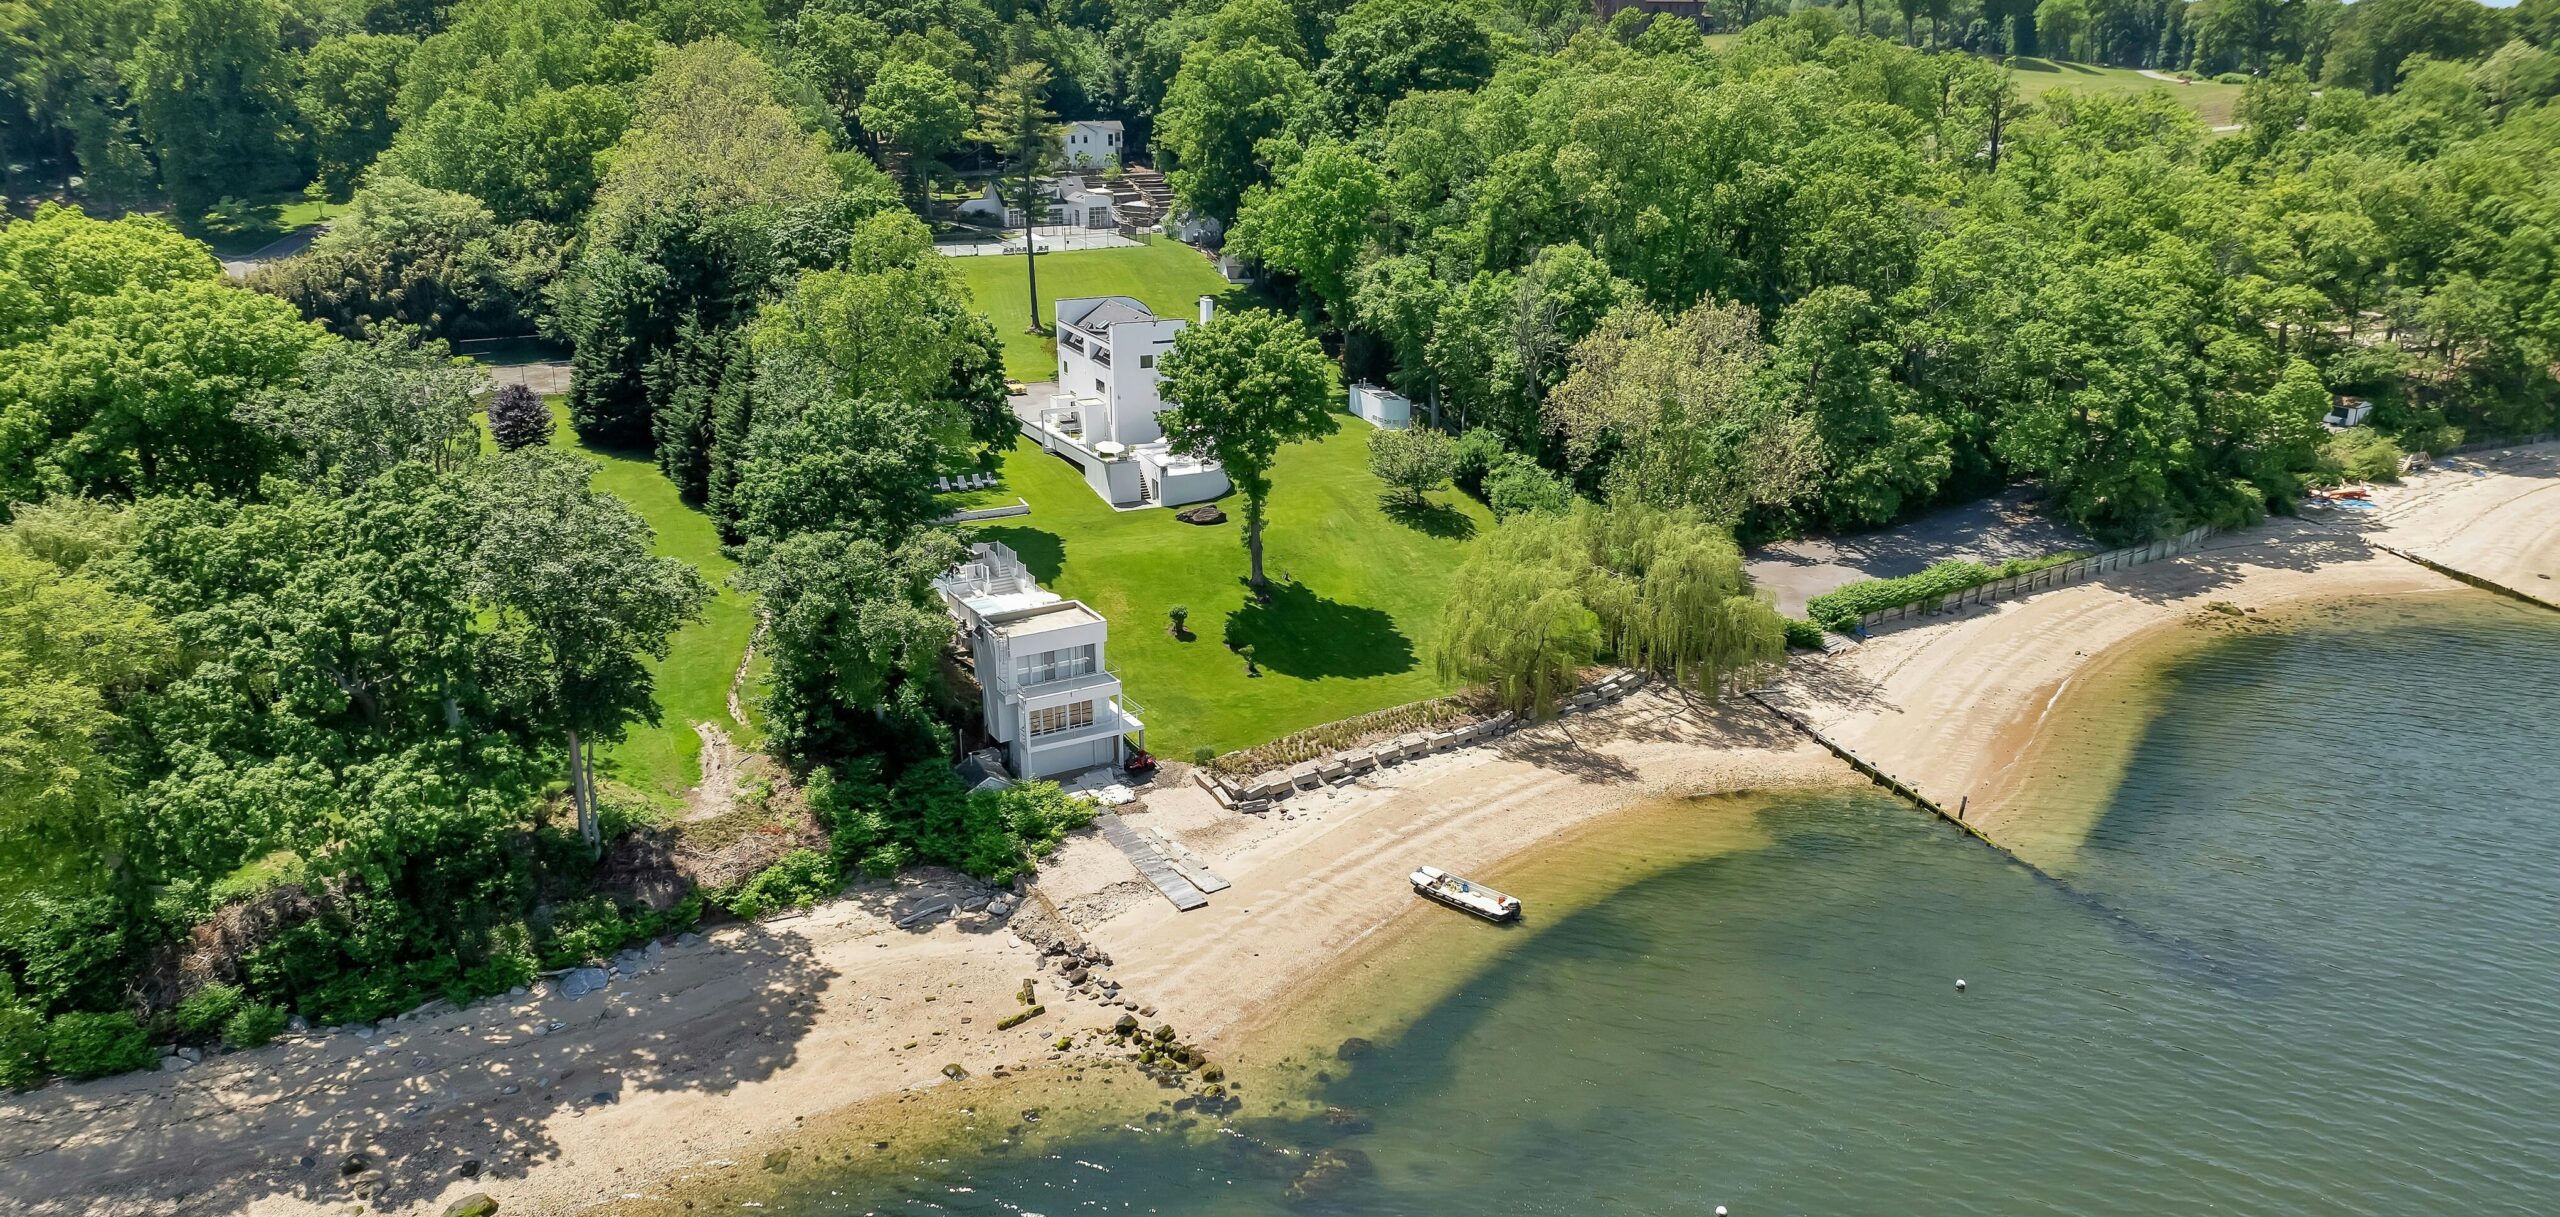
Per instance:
(1515,621)
(1657,589)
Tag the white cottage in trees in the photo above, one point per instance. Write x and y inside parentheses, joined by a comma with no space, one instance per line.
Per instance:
(1103,418)
(1047,690)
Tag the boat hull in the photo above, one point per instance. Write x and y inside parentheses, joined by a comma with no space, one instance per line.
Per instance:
(1436,896)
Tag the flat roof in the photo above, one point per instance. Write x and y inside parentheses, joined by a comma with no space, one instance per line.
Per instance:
(1055,617)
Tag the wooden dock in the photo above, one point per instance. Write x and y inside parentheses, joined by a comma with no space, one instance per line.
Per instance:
(1151,863)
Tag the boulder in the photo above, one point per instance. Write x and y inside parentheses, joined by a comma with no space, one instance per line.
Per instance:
(1206,513)
(1328,1172)
(579,982)
(477,1204)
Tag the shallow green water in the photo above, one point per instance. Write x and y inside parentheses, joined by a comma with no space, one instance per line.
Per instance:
(2307,963)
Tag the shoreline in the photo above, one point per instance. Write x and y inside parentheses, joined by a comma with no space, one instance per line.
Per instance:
(761,1035)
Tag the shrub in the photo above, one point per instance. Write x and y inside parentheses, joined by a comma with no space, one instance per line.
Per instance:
(1841,607)
(1473,456)
(1804,635)
(580,930)
(21,1046)
(208,1008)
(797,880)
(1204,755)
(1179,616)
(2362,454)
(253,1025)
(1519,486)
(93,1045)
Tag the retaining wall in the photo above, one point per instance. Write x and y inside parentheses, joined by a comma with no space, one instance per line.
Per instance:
(1262,791)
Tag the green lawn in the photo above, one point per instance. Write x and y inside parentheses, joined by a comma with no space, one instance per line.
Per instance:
(1167,275)
(261,223)
(1350,632)
(663,761)
(2212,102)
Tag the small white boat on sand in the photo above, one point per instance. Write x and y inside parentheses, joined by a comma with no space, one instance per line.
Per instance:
(1464,896)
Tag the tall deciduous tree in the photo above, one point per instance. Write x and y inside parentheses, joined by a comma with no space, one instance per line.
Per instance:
(1220,107)
(1244,384)
(214,91)
(580,597)
(1015,122)
(359,408)
(1316,223)
(919,113)
(137,393)
(1671,413)
(349,85)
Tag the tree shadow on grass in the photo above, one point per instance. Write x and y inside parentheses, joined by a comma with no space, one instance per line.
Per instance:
(1424,516)
(1296,632)
(1044,553)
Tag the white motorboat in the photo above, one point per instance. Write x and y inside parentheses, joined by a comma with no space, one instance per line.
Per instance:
(1465,896)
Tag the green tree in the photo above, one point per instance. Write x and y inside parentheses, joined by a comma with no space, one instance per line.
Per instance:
(349,85)
(1413,461)
(1672,413)
(59,263)
(71,650)
(213,90)
(1014,121)
(1316,223)
(1244,384)
(854,634)
(918,112)
(1380,50)
(580,598)
(708,137)
(359,408)
(138,393)
(1217,112)
(2373,39)
(1515,621)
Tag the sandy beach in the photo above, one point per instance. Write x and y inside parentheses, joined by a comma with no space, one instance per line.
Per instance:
(1956,706)
(717,1046)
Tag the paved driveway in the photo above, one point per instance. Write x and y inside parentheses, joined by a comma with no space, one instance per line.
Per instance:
(1992,530)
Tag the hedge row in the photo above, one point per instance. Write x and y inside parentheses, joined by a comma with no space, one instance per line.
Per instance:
(1841,608)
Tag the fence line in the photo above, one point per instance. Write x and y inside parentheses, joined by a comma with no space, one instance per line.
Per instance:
(2040,580)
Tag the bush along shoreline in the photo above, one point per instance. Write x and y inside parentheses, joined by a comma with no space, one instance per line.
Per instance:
(1841,608)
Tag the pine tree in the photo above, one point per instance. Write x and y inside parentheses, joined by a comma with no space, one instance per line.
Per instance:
(518,419)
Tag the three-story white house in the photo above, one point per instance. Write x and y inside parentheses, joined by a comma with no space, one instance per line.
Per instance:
(1103,418)
(1047,691)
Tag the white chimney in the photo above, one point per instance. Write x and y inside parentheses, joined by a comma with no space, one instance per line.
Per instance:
(1208,308)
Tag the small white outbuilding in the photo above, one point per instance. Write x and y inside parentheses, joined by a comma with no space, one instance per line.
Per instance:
(1384,410)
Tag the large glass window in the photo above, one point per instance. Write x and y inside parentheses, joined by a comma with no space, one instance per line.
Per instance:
(1053,719)
(1066,664)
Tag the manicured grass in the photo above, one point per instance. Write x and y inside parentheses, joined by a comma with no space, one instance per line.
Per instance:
(2212,102)
(1349,632)
(1169,276)
(263,223)
(661,762)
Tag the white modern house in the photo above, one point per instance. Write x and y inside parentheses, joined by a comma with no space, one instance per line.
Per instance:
(1103,418)
(1091,143)
(1050,698)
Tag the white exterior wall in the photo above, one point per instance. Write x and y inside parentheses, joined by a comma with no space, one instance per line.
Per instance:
(1384,410)
(1091,143)
(1129,387)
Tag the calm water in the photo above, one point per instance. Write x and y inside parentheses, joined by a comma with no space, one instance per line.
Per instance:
(2308,962)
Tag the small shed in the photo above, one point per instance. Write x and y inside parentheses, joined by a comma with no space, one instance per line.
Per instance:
(1384,410)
